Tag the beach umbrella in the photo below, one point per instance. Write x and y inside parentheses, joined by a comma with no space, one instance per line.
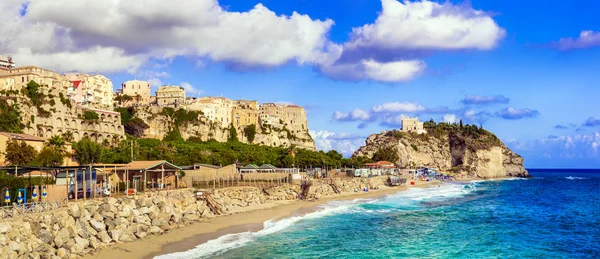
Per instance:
(7,197)
(34,195)
(44,193)
(20,198)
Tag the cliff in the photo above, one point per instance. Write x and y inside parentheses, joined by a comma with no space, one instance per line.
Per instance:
(471,153)
(195,125)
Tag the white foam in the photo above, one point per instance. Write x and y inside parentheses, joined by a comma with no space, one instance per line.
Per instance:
(575,178)
(232,241)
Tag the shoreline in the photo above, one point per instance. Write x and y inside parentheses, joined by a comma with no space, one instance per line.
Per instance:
(252,219)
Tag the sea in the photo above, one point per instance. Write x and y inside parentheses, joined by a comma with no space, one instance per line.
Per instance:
(554,214)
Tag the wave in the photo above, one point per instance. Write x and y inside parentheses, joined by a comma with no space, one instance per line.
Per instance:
(575,178)
(392,203)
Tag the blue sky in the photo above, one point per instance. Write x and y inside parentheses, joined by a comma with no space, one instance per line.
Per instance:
(525,70)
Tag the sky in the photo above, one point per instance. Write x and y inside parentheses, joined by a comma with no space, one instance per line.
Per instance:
(526,70)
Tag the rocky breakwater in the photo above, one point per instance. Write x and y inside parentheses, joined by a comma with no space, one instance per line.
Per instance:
(470,153)
(84,227)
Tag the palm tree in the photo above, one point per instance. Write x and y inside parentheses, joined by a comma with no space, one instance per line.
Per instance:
(57,142)
(68,136)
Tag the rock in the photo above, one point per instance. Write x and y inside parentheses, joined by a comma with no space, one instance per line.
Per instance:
(98,226)
(107,214)
(155,230)
(116,234)
(104,237)
(127,237)
(74,210)
(62,253)
(141,234)
(4,228)
(45,236)
(165,227)
(14,246)
(81,241)
(158,222)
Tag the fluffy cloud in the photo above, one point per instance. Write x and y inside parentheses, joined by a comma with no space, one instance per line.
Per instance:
(577,148)
(191,89)
(398,107)
(511,113)
(356,115)
(119,35)
(125,35)
(591,122)
(391,48)
(344,143)
(587,39)
(427,25)
(449,118)
(484,100)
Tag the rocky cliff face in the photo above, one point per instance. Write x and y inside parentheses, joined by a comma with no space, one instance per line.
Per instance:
(448,153)
(204,129)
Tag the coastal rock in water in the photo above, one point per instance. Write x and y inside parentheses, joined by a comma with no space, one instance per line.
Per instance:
(484,156)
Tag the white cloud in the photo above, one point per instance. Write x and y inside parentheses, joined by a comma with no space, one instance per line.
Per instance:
(580,146)
(393,71)
(356,114)
(587,39)
(427,25)
(398,107)
(345,143)
(190,89)
(128,33)
(449,118)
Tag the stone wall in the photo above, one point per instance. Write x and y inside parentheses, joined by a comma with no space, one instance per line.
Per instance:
(81,227)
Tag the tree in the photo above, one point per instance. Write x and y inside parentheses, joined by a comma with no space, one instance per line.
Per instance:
(173,135)
(88,151)
(136,127)
(250,132)
(50,156)
(91,116)
(10,120)
(386,154)
(67,136)
(57,142)
(461,124)
(19,153)
(232,134)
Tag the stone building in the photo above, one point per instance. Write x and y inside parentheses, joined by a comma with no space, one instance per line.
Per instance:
(170,96)
(412,125)
(294,118)
(216,109)
(139,90)
(245,113)
(36,142)
(18,78)
(95,91)
(271,114)
(270,120)
(6,63)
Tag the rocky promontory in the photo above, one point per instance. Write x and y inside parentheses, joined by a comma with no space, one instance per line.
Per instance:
(467,150)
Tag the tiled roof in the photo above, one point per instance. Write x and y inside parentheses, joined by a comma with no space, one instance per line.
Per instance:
(19,136)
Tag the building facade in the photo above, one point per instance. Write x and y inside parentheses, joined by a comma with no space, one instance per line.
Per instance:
(412,125)
(244,113)
(216,109)
(170,96)
(18,78)
(6,63)
(139,90)
(294,117)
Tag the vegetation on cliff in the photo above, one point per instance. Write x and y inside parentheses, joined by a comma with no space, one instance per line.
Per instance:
(471,136)
(10,119)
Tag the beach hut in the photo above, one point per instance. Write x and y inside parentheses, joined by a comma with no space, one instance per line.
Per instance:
(267,168)
(251,168)
(158,174)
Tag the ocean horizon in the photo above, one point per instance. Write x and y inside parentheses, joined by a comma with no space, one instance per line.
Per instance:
(553,214)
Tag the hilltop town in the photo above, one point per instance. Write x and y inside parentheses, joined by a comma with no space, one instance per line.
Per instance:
(77,105)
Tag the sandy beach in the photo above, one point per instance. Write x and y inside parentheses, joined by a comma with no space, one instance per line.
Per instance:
(249,219)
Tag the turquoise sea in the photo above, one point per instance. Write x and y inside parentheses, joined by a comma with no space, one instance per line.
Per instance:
(555,214)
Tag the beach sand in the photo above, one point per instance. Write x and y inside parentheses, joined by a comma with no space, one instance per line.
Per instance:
(248,219)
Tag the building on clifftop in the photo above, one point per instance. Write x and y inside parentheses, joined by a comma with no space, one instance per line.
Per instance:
(412,125)
(216,109)
(6,63)
(170,95)
(245,113)
(138,90)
